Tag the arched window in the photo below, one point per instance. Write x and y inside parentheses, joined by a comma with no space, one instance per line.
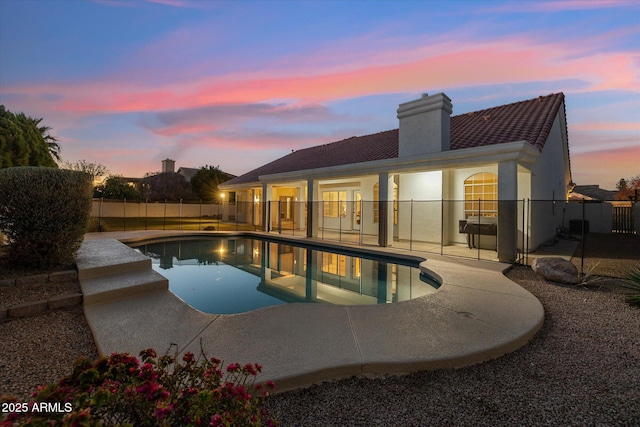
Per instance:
(481,195)
(376,199)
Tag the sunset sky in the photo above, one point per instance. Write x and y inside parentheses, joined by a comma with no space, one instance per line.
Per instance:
(127,83)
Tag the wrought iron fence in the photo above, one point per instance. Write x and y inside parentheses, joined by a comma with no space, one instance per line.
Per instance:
(464,228)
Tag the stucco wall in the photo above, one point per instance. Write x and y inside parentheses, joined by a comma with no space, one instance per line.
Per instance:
(548,183)
(599,215)
(420,207)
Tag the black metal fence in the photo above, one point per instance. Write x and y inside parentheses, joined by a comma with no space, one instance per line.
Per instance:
(467,228)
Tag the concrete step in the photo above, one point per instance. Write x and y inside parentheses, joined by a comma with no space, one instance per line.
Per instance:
(108,257)
(122,285)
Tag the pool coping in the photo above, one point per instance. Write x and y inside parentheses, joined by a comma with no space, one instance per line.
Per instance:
(476,315)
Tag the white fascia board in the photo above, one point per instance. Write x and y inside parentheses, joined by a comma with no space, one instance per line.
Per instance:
(520,151)
(242,186)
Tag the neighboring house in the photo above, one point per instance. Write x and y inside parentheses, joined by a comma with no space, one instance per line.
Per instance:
(602,212)
(188,173)
(591,193)
(484,160)
(168,166)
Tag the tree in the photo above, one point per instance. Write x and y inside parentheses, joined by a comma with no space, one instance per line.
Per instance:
(23,142)
(628,188)
(206,181)
(166,185)
(97,171)
(116,188)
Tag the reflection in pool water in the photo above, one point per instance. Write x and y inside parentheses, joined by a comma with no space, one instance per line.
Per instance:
(235,275)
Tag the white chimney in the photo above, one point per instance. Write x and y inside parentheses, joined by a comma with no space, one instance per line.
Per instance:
(425,125)
(168,165)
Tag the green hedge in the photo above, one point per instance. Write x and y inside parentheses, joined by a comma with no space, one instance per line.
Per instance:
(44,213)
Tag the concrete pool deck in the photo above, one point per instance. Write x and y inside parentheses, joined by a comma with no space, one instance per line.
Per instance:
(476,315)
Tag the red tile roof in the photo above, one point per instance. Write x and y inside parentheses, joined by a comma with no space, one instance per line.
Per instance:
(529,121)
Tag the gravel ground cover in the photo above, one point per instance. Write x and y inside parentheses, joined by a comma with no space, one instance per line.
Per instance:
(582,368)
(41,349)
(608,255)
(14,295)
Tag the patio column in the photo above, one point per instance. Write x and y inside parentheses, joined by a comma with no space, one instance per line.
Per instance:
(255,207)
(298,209)
(265,207)
(312,208)
(507,211)
(385,209)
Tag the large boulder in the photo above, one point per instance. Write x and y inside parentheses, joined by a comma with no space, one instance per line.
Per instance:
(556,270)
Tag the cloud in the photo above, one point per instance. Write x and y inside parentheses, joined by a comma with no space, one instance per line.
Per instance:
(517,60)
(607,126)
(612,164)
(562,5)
(193,87)
(230,116)
(173,3)
(190,4)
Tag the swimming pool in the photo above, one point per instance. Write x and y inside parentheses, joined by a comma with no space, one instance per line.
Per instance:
(239,274)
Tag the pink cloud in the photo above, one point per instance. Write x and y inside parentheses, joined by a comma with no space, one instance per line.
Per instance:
(185,111)
(612,164)
(224,116)
(552,6)
(513,61)
(181,3)
(607,126)
(561,5)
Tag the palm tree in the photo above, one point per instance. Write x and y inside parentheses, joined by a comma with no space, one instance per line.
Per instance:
(50,140)
(25,142)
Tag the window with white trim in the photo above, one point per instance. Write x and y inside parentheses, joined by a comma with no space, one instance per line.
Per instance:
(481,195)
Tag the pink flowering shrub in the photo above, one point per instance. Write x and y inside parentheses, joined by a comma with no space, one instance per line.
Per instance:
(121,390)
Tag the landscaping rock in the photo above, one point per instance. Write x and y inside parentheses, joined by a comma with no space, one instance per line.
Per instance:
(7,283)
(556,270)
(63,276)
(37,279)
(27,309)
(66,300)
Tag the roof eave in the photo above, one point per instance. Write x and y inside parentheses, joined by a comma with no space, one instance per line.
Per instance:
(240,186)
(519,151)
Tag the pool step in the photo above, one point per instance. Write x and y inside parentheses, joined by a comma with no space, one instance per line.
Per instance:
(122,285)
(109,270)
(97,258)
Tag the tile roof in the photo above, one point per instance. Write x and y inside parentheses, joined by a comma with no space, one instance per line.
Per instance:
(591,192)
(529,121)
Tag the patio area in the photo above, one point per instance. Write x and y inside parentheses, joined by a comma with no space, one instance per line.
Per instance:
(476,315)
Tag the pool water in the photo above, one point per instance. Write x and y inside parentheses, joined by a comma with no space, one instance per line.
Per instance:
(240,274)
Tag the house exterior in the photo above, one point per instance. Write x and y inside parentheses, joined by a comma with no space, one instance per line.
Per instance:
(425,180)
(591,193)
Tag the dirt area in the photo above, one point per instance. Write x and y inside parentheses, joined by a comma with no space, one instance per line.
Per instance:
(608,255)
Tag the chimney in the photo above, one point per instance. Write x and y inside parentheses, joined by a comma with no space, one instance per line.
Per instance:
(168,165)
(425,125)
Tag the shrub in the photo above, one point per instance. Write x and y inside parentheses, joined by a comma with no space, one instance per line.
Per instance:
(632,283)
(95,225)
(44,213)
(158,391)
